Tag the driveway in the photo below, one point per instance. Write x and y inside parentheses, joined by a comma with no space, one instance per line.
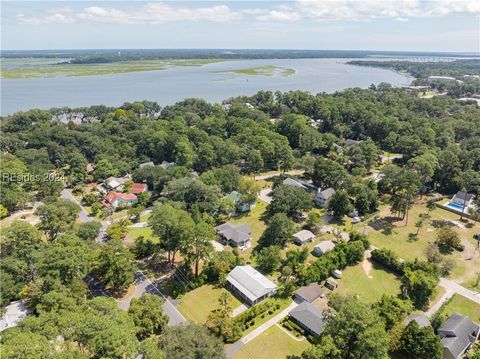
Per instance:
(83,215)
(265,195)
(450,285)
(144,285)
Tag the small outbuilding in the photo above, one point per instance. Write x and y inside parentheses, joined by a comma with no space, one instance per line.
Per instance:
(331,283)
(309,293)
(303,237)
(323,247)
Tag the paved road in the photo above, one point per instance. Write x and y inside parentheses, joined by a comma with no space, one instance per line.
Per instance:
(144,285)
(84,216)
(257,331)
(450,285)
(291,173)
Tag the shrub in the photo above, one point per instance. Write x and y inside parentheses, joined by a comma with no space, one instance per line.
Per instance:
(388,259)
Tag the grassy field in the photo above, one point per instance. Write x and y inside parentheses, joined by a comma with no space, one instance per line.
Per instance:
(400,238)
(284,302)
(463,306)
(369,287)
(254,220)
(261,71)
(39,70)
(197,304)
(273,343)
(146,232)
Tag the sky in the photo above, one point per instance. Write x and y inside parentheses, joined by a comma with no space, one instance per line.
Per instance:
(389,25)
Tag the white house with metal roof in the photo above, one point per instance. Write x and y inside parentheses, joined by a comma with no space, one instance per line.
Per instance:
(323,247)
(303,237)
(250,284)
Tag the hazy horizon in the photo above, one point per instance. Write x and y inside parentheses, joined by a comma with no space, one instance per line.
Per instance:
(390,25)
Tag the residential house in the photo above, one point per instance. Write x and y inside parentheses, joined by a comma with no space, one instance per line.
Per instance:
(166,165)
(138,188)
(309,318)
(303,237)
(146,164)
(323,247)
(250,284)
(236,198)
(295,183)
(350,142)
(309,293)
(236,235)
(445,79)
(458,333)
(115,183)
(322,197)
(118,199)
(421,320)
(14,313)
(463,199)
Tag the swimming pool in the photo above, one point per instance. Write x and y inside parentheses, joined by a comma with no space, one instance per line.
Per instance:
(456,207)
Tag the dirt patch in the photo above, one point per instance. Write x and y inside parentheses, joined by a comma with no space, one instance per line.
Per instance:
(129,293)
(367,267)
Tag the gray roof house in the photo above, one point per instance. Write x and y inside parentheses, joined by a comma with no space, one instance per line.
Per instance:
(15,312)
(166,165)
(462,198)
(322,197)
(146,164)
(457,333)
(421,320)
(309,317)
(295,183)
(323,247)
(236,235)
(250,284)
(309,293)
(236,198)
(303,237)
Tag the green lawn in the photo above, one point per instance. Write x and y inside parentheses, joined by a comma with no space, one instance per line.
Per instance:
(253,219)
(463,306)
(197,304)
(272,344)
(284,302)
(398,238)
(146,232)
(356,281)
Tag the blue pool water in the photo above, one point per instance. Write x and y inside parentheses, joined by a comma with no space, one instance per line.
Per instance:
(454,206)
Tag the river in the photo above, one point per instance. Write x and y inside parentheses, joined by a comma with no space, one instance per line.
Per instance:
(174,84)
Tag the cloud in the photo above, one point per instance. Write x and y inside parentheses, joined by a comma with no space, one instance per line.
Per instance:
(365,10)
(316,10)
(157,13)
(53,18)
